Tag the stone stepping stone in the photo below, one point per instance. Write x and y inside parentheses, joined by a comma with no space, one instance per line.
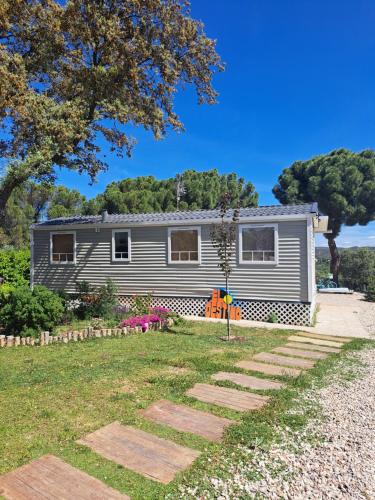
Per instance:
(308,340)
(229,398)
(248,381)
(268,369)
(49,478)
(300,353)
(334,338)
(312,347)
(268,357)
(149,455)
(187,419)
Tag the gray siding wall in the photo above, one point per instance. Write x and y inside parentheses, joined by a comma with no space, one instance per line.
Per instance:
(149,270)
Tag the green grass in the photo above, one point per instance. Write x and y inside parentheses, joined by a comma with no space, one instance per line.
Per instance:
(53,395)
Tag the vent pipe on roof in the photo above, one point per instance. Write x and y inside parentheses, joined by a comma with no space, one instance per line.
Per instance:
(104,216)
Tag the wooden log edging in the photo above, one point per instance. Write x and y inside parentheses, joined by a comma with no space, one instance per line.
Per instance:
(46,338)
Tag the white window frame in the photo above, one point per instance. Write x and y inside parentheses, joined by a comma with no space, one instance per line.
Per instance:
(62,263)
(184,262)
(114,231)
(276,242)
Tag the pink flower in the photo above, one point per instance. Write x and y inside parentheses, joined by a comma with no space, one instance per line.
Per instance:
(142,321)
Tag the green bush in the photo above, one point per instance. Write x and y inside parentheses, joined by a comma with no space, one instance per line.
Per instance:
(370,292)
(96,302)
(142,304)
(5,291)
(29,310)
(356,268)
(15,267)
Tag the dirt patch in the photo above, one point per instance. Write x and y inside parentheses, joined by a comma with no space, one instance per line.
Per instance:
(178,370)
(127,389)
(217,351)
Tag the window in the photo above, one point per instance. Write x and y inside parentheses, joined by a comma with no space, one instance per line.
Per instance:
(121,245)
(258,244)
(184,245)
(63,248)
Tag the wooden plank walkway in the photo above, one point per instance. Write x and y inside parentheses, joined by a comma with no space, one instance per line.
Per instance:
(334,338)
(300,353)
(187,419)
(49,478)
(268,369)
(284,360)
(248,381)
(310,340)
(149,455)
(313,347)
(229,398)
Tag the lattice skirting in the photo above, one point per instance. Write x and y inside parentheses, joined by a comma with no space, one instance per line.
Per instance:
(289,313)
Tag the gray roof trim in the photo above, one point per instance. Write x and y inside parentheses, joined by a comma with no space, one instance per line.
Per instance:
(273,212)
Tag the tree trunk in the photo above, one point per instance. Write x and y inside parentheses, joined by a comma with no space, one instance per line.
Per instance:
(335,259)
(228,308)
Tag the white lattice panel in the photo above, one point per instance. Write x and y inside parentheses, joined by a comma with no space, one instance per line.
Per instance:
(288,313)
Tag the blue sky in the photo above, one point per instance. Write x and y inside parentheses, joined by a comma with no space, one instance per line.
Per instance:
(299,81)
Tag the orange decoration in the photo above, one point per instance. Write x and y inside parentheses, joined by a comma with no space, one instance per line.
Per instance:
(217,308)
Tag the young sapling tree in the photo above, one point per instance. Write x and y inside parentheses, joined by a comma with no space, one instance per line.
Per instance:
(223,238)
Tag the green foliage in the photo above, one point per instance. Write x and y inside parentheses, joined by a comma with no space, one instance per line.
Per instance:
(272,318)
(322,270)
(25,206)
(147,194)
(15,267)
(370,291)
(75,73)
(141,305)
(65,202)
(96,302)
(5,291)
(25,309)
(357,268)
(342,182)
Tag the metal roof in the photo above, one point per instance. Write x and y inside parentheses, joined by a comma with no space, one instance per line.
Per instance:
(189,216)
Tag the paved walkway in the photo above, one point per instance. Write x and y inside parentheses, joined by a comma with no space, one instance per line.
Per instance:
(347,315)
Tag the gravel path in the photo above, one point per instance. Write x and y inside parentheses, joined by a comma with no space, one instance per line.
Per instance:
(367,316)
(334,457)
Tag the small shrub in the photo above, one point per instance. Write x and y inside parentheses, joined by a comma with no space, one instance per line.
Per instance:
(107,299)
(96,302)
(38,309)
(272,318)
(370,292)
(142,304)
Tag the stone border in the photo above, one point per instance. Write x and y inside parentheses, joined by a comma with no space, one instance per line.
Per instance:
(74,336)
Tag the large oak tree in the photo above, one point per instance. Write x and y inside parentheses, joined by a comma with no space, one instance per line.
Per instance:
(72,72)
(343,184)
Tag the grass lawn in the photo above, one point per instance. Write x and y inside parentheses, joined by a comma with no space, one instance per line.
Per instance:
(54,395)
